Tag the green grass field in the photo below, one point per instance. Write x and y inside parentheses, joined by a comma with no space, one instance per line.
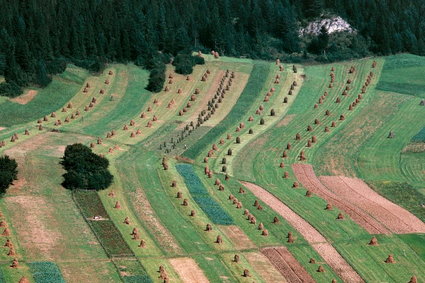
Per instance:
(47,100)
(57,239)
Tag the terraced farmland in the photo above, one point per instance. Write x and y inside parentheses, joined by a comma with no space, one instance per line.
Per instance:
(242,171)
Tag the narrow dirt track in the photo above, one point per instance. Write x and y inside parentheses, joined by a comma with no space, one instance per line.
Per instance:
(188,270)
(287,265)
(313,237)
(306,176)
(394,217)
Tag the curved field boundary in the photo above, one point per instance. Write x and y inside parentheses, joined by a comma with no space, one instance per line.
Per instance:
(394,217)
(312,236)
(287,265)
(305,174)
(270,121)
(200,194)
(246,100)
(188,270)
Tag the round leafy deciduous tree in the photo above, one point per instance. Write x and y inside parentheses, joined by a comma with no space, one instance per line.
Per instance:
(8,172)
(85,169)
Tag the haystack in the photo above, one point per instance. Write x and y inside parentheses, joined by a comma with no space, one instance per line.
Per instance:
(241,190)
(15,263)
(8,243)
(117,205)
(328,207)
(246,273)
(6,232)
(373,241)
(302,156)
(192,213)
(219,240)
(142,244)
(275,220)
(312,261)
(295,184)
(390,259)
(320,269)
(340,216)
(308,143)
(24,280)
(185,202)
(11,252)
(127,221)
(308,194)
(236,258)
(265,232)
(290,238)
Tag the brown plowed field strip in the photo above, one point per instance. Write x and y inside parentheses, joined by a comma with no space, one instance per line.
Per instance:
(265,268)
(188,270)
(357,192)
(312,236)
(287,265)
(238,237)
(306,176)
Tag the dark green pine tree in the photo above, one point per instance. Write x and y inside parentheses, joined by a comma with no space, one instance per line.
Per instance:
(42,77)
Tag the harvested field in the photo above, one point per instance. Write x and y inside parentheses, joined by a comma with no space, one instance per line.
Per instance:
(205,97)
(395,218)
(287,265)
(25,98)
(305,174)
(238,237)
(264,267)
(144,210)
(35,236)
(312,236)
(188,270)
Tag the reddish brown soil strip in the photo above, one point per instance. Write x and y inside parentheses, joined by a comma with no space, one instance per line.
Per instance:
(287,265)
(25,98)
(285,121)
(2,128)
(357,192)
(305,174)
(312,236)
(188,270)
(239,239)
(265,268)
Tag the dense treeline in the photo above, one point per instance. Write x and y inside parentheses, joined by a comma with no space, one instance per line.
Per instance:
(85,169)
(8,172)
(38,38)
